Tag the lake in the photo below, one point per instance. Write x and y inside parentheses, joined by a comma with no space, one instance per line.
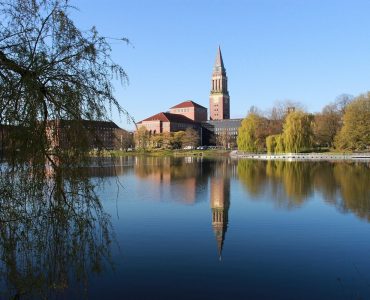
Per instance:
(188,228)
(197,228)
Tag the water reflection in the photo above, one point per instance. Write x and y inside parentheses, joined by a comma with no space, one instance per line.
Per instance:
(287,184)
(53,242)
(54,233)
(187,178)
(220,204)
(184,178)
(290,184)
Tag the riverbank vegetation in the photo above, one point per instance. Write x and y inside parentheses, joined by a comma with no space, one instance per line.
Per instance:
(166,152)
(144,141)
(341,126)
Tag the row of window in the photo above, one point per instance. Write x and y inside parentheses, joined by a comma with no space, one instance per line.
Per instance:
(233,131)
(227,128)
(180,110)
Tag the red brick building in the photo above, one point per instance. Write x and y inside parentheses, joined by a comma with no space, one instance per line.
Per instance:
(94,134)
(190,109)
(187,114)
(166,122)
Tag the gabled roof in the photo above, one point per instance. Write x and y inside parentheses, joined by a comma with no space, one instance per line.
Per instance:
(187,103)
(168,117)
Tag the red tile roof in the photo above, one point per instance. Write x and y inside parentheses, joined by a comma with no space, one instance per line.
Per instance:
(168,117)
(188,103)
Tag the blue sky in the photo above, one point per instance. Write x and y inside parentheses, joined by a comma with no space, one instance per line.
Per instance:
(305,51)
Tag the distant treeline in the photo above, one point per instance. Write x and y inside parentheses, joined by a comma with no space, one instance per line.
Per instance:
(343,125)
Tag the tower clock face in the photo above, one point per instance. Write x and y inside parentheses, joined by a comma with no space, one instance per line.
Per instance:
(215,100)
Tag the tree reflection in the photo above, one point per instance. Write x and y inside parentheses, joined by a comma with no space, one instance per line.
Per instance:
(354,186)
(252,174)
(290,184)
(53,230)
(295,177)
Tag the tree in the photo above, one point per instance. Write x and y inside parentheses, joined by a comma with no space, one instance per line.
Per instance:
(178,139)
(341,102)
(50,70)
(278,114)
(270,144)
(190,138)
(355,133)
(279,148)
(223,139)
(124,139)
(297,131)
(156,140)
(252,133)
(142,138)
(325,127)
(167,140)
(328,123)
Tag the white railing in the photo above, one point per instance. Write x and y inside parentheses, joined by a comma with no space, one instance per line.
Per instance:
(302,156)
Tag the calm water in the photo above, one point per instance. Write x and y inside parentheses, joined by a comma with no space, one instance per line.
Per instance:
(193,228)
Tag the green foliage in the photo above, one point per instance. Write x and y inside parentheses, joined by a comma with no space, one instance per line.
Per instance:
(177,140)
(190,138)
(142,138)
(270,144)
(355,133)
(279,148)
(49,69)
(166,140)
(252,133)
(275,144)
(54,228)
(156,141)
(328,123)
(297,132)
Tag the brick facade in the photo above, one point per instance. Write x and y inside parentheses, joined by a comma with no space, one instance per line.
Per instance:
(95,134)
(176,120)
(219,100)
(191,110)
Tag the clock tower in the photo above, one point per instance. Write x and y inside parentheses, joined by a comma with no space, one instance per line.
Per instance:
(219,100)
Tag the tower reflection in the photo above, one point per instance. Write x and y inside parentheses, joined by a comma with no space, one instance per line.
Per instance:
(220,204)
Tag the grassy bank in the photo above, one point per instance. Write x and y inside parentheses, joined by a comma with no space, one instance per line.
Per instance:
(162,152)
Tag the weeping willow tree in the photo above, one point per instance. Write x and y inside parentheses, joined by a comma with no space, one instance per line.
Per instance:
(51,221)
(252,133)
(297,132)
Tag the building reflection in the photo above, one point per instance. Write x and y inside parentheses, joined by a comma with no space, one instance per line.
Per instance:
(220,203)
(184,178)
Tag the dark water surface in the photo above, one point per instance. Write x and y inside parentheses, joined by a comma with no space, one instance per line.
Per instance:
(192,228)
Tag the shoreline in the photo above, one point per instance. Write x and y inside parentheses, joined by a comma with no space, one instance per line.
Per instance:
(166,153)
(303,156)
